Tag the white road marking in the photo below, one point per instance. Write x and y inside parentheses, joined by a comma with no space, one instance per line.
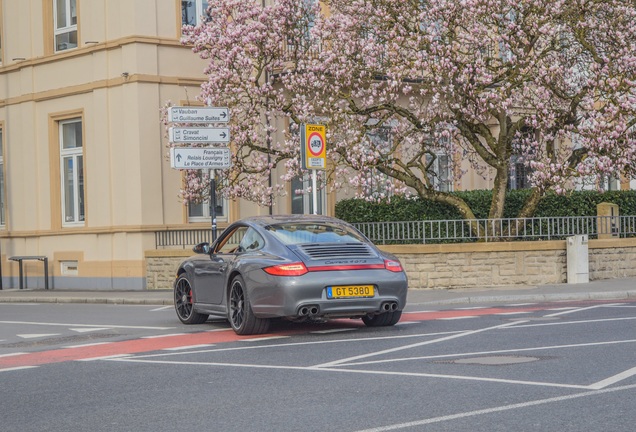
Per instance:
(84,325)
(333,331)
(577,310)
(456,318)
(495,409)
(86,330)
(162,336)
(12,354)
(355,371)
(429,342)
(189,347)
(86,345)
(575,322)
(17,368)
(263,338)
(35,336)
(293,344)
(110,357)
(511,313)
(482,353)
(161,308)
(613,380)
(407,322)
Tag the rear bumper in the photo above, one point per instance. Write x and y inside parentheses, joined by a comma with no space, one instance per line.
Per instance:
(273,296)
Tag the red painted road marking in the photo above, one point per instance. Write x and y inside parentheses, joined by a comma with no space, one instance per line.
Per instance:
(433,315)
(136,346)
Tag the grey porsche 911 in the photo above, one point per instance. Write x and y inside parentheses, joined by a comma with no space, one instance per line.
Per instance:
(300,268)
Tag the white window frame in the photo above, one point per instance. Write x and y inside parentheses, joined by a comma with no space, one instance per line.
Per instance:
(205,210)
(442,179)
(200,7)
(70,8)
(307,198)
(76,156)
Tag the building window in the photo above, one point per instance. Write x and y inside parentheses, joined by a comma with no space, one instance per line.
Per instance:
(303,202)
(439,172)
(72,169)
(194,12)
(519,177)
(65,21)
(201,212)
(2,197)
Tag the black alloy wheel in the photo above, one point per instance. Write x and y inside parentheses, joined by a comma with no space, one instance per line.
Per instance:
(242,319)
(184,302)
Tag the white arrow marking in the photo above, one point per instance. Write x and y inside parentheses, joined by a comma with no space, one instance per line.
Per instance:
(34,336)
(85,330)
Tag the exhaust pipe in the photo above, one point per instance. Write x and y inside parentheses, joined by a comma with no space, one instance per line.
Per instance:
(303,311)
(389,307)
(308,311)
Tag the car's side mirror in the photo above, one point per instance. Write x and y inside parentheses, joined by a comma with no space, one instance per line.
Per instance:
(202,248)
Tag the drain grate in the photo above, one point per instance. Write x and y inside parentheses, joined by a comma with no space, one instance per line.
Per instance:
(502,360)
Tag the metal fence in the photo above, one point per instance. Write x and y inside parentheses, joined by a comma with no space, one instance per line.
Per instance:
(457,231)
(454,231)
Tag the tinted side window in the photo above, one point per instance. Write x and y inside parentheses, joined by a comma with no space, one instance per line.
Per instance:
(230,242)
(252,241)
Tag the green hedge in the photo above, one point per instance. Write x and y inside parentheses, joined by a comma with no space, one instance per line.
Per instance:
(576,203)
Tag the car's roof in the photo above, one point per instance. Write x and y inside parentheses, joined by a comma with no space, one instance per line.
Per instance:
(277,219)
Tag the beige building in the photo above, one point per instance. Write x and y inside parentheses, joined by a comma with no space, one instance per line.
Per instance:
(85,179)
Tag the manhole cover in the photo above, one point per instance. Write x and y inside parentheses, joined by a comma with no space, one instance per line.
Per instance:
(495,360)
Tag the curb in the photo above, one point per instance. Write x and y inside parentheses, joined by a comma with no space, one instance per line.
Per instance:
(613,295)
(96,300)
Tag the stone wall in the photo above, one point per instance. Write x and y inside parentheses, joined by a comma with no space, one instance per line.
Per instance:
(161,267)
(467,264)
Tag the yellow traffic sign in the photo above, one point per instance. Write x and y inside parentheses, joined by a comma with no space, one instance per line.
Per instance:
(313,146)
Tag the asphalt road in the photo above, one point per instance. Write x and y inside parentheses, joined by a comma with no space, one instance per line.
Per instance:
(561,366)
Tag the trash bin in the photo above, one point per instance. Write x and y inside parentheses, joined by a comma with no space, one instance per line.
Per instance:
(578,261)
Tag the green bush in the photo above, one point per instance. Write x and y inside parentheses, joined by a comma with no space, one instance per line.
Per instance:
(576,203)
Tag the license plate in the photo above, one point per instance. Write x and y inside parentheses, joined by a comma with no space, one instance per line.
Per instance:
(350,291)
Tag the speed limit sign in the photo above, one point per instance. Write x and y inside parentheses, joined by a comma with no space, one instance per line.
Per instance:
(313,146)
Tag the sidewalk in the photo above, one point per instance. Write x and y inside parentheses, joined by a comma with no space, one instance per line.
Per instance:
(611,289)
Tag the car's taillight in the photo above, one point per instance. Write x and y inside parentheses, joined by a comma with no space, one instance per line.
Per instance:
(293,269)
(393,266)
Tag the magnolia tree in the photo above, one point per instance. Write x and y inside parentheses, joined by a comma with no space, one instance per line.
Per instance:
(550,83)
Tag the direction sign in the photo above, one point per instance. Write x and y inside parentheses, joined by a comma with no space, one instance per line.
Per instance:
(313,147)
(190,135)
(186,114)
(200,158)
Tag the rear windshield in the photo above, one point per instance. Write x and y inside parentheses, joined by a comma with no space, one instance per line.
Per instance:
(298,233)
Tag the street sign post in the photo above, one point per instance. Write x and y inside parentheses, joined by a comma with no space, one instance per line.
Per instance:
(188,114)
(200,158)
(211,158)
(191,135)
(313,147)
(313,151)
